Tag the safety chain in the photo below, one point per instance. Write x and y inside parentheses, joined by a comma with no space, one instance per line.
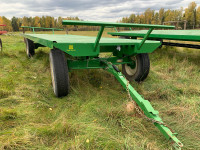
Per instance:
(138,110)
(140,113)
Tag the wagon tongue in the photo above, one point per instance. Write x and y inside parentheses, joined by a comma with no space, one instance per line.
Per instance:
(148,111)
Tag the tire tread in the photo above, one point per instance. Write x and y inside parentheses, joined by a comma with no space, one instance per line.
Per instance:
(30,45)
(60,71)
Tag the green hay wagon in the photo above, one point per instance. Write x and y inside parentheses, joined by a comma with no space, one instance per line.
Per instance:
(160,35)
(132,54)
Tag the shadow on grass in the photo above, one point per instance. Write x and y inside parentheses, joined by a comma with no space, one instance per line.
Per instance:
(40,54)
(7,55)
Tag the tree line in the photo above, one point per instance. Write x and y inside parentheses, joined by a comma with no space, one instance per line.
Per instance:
(45,21)
(191,15)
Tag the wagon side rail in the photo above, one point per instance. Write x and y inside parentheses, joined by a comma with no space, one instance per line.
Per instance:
(114,25)
(33,29)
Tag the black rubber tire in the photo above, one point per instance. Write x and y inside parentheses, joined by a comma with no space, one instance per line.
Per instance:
(124,37)
(1,47)
(30,48)
(59,72)
(141,71)
(161,41)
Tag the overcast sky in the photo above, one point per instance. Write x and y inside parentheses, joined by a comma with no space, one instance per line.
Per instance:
(101,10)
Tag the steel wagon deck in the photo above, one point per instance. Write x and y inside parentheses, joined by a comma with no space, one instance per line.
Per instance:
(84,45)
(177,35)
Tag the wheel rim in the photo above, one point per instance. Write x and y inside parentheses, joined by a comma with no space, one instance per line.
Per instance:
(131,71)
(52,75)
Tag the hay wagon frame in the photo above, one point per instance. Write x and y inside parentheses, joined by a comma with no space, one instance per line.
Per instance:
(132,54)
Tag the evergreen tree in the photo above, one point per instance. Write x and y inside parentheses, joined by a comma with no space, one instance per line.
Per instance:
(14,23)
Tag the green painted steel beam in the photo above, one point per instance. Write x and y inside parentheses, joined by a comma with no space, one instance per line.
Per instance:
(96,63)
(115,29)
(145,38)
(98,38)
(183,35)
(111,24)
(33,29)
(145,106)
(56,29)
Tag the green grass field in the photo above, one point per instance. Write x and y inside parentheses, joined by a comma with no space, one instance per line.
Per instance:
(93,115)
